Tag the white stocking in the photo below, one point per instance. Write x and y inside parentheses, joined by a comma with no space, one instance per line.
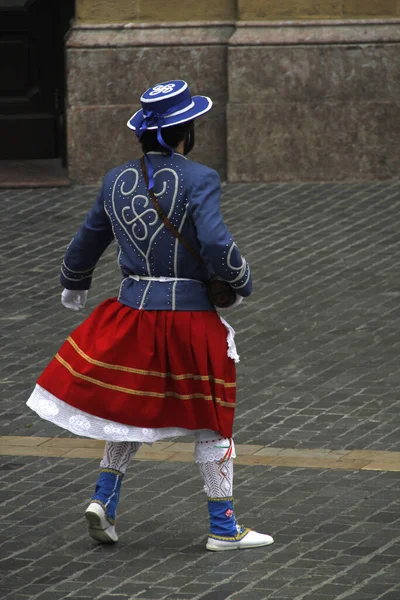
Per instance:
(211,446)
(118,455)
(214,456)
(218,478)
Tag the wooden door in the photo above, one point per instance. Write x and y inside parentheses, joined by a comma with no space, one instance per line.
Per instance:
(31,68)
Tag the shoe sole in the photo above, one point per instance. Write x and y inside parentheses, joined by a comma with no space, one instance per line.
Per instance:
(95,529)
(235,547)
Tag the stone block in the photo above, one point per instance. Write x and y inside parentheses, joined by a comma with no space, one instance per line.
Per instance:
(98,140)
(313,141)
(253,10)
(319,112)
(321,73)
(371,8)
(211,134)
(21,440)
(181,457)
(382,465)
(119,75)
(84,453)
(31,451)
(123,11)
(72,443)
(146,454)
(150,34)
(185,447)
(247,449)
(190,10)
(106,11)
(298,33)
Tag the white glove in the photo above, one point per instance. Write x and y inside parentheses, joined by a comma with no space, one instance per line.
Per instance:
(74,299)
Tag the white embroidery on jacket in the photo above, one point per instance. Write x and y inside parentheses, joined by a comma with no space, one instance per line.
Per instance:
(129,226)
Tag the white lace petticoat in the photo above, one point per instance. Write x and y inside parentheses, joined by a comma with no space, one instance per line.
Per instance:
(81,423)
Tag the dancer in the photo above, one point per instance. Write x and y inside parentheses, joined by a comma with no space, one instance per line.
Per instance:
(158,361)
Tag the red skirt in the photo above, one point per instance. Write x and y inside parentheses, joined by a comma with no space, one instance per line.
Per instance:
(147,369)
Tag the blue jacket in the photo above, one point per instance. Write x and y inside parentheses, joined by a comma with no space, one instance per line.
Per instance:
(189,193)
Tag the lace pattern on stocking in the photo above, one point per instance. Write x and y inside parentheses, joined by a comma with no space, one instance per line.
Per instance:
(213,449)
(218,478)
(118,455)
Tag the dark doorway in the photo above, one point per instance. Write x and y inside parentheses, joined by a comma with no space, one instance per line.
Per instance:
(32,78)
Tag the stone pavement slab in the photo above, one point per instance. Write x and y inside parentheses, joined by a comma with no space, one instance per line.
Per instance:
(246,454)
(337,534)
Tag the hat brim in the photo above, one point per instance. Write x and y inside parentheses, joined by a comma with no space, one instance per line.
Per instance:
(199,106)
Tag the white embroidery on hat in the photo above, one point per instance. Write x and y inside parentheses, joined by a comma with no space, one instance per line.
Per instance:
(162,89)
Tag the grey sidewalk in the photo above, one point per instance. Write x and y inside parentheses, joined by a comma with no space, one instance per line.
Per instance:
(319,343)
(337,535)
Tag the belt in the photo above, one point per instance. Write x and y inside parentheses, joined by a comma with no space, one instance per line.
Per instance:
(162,279)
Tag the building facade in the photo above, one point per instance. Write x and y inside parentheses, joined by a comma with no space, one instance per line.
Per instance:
(303,90)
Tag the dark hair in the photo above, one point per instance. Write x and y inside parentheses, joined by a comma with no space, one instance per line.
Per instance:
(171,136)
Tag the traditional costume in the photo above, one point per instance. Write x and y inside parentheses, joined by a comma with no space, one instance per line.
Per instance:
(157,361)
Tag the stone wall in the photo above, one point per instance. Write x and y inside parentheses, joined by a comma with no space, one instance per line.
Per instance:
(280,10)
(302,90)
(156,11)
(314,102)
(109,69)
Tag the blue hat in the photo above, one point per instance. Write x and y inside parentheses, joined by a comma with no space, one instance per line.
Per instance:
(166,104)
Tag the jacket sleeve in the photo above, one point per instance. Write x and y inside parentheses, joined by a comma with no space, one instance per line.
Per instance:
(217,245)
(86,248)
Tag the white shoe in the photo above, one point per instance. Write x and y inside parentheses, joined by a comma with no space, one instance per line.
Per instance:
(252,539)
(100,528)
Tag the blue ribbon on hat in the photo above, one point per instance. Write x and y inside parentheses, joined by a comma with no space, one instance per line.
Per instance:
(153,118)
(150,119)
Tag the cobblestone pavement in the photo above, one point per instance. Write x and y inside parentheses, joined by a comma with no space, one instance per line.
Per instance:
(319,343)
